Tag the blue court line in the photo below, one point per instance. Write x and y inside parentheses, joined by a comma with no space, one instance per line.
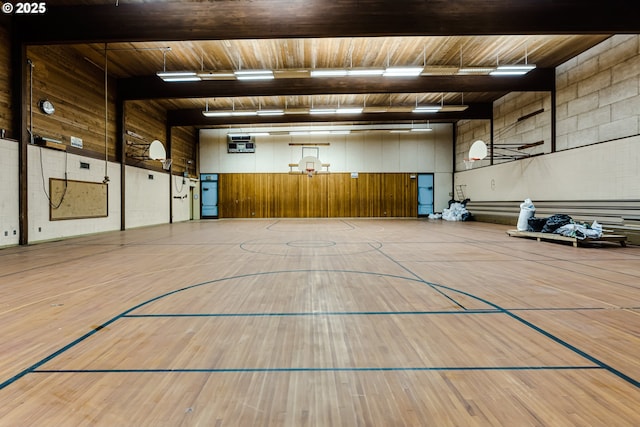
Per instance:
(364,369)
(318,313)
(416,278)
(552,337)
(573,308)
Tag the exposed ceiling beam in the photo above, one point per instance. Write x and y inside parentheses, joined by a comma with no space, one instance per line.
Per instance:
(260,19)
(194,117)
(139,88)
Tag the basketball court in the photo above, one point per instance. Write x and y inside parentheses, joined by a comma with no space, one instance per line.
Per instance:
(336,322)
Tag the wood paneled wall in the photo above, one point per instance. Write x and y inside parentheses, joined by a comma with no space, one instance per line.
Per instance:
(146,119)
(280,195)
(76,88)
(183,150)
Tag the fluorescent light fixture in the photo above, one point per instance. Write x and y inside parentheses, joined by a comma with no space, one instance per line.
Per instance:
(182,79)
(320,132)
(322,111)
(453,108)
(241,133)
(328,73)
(212,75)
(421,129)
(403,71)
(163,74)
(365,72)
(291,74)
(178,76)
(254,75)
(271,112)
(244,113)
(512,70)
(399,131)
(349,110)
(300,110)
(217,113)
(439,70)
(476,70)
(375,109)
(427,109)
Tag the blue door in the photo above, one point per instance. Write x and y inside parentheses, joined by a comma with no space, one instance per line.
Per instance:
(425,194)
(209,198)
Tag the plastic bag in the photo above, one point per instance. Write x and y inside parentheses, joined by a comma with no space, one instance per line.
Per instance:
(556,221)
(536,224)
(581,230)
(454,212)
(527,210)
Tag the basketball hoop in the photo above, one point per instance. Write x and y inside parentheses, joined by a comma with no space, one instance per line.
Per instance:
(156,150)
(166,164)
(468,163)
(310,172)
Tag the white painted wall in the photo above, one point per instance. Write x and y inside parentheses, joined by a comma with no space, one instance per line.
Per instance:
(608,171)
(373,151)
(9,213)
(44,163)
(146,200)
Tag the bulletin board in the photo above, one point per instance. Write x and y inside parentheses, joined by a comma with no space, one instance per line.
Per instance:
(77,199)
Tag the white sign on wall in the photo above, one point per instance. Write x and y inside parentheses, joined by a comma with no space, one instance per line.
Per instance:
(76,142)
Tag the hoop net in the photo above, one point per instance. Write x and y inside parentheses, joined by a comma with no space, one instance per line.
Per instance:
(468,163)
(310,172)
(166,164)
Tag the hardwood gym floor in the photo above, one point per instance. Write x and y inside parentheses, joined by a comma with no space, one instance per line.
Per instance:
(345,322)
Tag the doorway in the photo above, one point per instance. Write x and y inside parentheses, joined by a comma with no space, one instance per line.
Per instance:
(425,194)
(209,195)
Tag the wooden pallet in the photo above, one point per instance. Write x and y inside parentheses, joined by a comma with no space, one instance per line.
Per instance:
(575,241)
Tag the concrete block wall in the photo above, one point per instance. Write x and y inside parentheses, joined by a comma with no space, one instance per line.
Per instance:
(597,94)
(508,127)
(511,127)
(470,131)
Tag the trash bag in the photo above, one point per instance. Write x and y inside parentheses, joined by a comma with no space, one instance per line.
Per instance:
(454,212)
(527,210)
(556,221)
(581,231)
(536,224)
